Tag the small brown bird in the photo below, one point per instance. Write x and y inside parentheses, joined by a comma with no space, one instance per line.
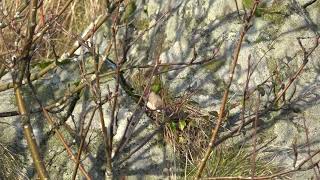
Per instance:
(155,102)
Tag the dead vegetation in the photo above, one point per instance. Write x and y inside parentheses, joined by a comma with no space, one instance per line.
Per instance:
(39,37)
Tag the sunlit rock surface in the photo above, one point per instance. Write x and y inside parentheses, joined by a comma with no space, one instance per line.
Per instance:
(209,28)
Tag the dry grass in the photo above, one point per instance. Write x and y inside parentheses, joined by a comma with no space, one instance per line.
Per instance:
(232,161)
(10,165)
(62,32)
(189,136)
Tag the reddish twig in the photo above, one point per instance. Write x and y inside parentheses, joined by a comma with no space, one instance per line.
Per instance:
(306,55)
(82,143)
(226,93)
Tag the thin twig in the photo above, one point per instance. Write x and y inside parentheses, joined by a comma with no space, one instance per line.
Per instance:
(82,143)
(67,54)
(279,174)
(254,154)
(306,56)
(308,145)
(52,123)
(17,77)
(307,4)
(245,91)
(226,93)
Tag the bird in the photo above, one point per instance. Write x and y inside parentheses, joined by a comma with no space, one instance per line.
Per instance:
(154,102)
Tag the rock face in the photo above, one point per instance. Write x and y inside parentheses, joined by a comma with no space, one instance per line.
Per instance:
(183,29)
